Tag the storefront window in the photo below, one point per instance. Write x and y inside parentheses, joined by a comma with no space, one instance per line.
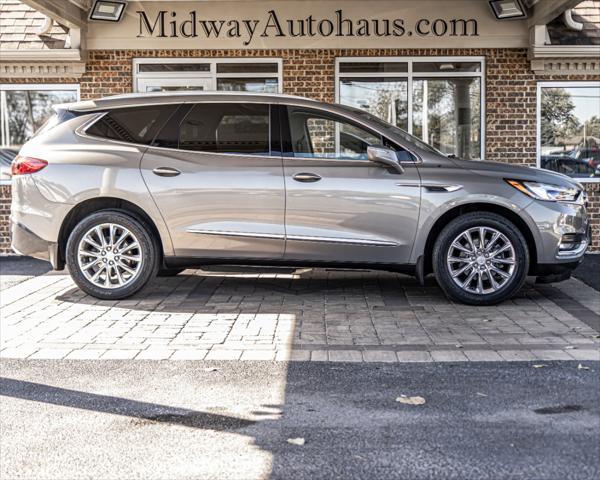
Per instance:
(437,100)
(446,114)
(237,75)
(569,128)
(256,85)
(24,109)
(386,98)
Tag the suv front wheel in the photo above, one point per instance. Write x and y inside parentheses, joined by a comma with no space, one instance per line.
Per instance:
(111,255)
(480,259)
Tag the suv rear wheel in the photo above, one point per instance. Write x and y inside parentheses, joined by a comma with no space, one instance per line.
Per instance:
(111,255)
(480,259)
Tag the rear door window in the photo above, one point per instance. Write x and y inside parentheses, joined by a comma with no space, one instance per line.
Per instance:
(241,128)
(132,124)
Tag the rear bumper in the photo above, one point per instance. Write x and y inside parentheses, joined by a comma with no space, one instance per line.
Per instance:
(25,242)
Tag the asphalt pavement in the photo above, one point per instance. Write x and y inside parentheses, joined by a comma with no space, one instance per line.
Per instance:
(15,269)
(158,420)
(589,271)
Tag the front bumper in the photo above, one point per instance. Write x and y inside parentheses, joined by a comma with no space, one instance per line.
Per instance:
(561,230)
(25,242)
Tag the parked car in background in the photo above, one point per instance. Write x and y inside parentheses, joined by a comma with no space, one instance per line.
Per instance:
(579,162)
(124,187)
(7,155)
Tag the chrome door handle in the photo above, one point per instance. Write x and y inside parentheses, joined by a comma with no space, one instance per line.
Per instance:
(307,177)
(166,172)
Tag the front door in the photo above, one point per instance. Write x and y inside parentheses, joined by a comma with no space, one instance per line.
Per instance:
(219,190)
(340,206)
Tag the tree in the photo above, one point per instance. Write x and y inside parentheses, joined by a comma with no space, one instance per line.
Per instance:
(592,128)
(25,111)
(558,121)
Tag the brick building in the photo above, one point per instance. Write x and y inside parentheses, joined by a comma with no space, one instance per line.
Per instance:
(456,73)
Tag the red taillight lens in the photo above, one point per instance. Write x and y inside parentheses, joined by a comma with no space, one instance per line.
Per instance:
(25,165)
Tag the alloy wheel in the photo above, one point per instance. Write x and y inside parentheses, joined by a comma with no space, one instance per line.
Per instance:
(481,260)
(109,256)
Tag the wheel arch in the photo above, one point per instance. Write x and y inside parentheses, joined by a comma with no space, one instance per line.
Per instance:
(93,205)
(459,210)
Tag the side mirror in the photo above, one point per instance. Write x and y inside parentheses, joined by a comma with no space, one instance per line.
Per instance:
(384,156)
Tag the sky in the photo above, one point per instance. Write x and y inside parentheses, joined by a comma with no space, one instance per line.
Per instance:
(587,102)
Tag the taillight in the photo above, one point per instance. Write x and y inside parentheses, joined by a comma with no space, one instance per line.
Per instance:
(24,165)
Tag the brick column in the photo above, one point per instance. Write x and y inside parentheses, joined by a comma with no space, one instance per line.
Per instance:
(4,219)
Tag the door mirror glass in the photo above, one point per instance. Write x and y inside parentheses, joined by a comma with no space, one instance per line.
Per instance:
(384,156)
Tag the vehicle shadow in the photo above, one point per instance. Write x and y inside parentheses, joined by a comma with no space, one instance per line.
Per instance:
(237,292)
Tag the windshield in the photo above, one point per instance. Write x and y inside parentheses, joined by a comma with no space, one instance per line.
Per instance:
(396,130)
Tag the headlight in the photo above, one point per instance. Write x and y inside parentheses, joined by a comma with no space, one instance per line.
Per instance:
(545,191)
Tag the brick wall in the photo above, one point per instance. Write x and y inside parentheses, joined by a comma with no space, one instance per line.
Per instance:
(510,90)
(4,218)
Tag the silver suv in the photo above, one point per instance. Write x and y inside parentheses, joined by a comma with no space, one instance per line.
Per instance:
(122,188)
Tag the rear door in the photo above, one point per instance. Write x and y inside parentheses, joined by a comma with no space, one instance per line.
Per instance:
(217,183)
(340,207)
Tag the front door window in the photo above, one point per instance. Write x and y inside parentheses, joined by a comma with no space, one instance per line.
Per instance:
(318,135)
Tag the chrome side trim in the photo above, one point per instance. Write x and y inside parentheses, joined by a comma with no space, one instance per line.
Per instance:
(274,236)
(432,187)
(301,238)
(347,241)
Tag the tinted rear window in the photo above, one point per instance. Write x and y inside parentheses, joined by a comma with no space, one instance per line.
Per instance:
(134,124)
(226,128)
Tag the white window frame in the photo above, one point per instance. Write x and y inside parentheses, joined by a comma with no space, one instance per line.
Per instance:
(32,86)
(211,74)
(538,120)
(38,87)
(410,76)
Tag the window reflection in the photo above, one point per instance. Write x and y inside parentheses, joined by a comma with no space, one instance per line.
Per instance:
(386,98)
(444,108)
(320,135)
(255,85)
(22,112)
(446,114)
(570,130)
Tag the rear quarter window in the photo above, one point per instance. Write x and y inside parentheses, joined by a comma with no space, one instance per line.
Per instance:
(132,124)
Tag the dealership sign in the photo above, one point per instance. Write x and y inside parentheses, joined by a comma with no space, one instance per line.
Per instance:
(191,25)
(307,24)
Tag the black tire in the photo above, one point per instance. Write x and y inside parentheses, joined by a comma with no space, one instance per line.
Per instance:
(480,219)
(169,272)
(147,247)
